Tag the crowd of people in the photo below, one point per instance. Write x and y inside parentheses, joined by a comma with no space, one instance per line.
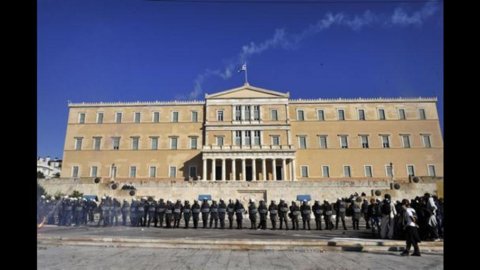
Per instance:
(387,219)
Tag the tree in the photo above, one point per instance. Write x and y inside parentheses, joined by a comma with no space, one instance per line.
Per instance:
(56,175)
(40,175)
(76,194)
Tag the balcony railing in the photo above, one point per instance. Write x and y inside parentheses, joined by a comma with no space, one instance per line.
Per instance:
(248,147)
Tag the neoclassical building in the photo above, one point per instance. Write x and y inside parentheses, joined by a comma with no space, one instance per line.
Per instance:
(254,134)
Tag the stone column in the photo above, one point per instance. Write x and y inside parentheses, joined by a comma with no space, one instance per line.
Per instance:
(294,177)
(251,113)
(233,170)
(204,169)
(264,169)
(274,170)
(254,170)
(213,170)
(284,168)
(244,170)
(242,108)
(224,170)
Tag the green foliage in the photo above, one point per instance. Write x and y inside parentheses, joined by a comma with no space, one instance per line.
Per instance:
(76,194)
(59,195)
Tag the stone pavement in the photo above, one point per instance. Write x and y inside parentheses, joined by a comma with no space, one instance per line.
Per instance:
(82,257)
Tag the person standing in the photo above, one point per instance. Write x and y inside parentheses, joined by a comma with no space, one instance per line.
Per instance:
(317,212)
(282,213)
(222,210)
(239,209)
(273,209)
(205,210)
(410,219)
(252,214)
(230,213)
(306,210)
(195,213)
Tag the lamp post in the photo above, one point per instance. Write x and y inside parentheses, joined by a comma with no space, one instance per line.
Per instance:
(391,177)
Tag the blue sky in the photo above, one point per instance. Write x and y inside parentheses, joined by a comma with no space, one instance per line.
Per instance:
(129,50)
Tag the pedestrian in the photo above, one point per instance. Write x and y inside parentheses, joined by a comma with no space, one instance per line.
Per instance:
(410,223)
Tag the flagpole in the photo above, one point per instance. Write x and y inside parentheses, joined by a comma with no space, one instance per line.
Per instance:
(246,76)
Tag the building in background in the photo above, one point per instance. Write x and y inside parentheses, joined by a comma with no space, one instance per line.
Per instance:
(49,167)
(254,134)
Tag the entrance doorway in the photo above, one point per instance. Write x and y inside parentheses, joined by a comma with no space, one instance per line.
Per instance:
(279,173)
(248,173)
(218,172)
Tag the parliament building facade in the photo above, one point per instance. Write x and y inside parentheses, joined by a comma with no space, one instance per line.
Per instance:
(254,134)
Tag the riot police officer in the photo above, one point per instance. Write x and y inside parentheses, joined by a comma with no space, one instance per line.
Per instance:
(356,212)
(239,209)
(252,214)
(177,214)
(152,212)
(168,214)
(141,212)
(328,211)
(125,212)
(222,209)
(294,215)
(187,213)
(340,208)
(262,210)
(161,207)
(365,213)
(133,213)
(317,212)
(117,210)
(214,214)
(306,211)
(205,210)
(282,213)
(230,212)
(273,209)
(195,213)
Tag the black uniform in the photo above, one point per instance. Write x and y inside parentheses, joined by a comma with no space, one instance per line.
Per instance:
(214,214)
(195,213)
(177,214)
(282,213)
(317,212)
(252,215)
(152,212)
(125,212)
(161,208)
(262,210)
(273,209)
(133,214)
(356,213)
(328,212)
(239,209)
(294,215)
(365,213)
(169,214)
(222,210)
(187,213)
(205,210)
(230,213)
(340,208)
(306,211)
(141,213)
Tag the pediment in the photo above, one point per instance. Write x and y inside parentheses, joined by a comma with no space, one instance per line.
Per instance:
(247,91)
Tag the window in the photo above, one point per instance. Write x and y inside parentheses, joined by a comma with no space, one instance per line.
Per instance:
(326,171)
(153,171)
(219,115)
(431,170)
(405,140)
(133,171)
(341,114)
(247,113)
(193,142)
(175,117)
(381,114)
(276,140)
(321,115)
(195,116)
(173,143)
(156,117)
(361,114)
(300,115)
(410,170)
(256,137)
(219,140)
(346,171)
(256,112)
(364,139)
(173,171)
(78,143)
(302,142)
(135,143)
(93,172)
(154,143)
(248,137)
(100,118)
(385,141)
(136,117)
(96,143)
(274,115)
(118,117)
(422,114)
(323,141)
(304,171)
(192,171)
(238,113)
(368,171)
(81,118)
(75,171)
(238,137)
(426,141)
(116,143)
(401,114)
(344,141)
(389,170)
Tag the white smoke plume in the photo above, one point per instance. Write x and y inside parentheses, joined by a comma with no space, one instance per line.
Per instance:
(281,39)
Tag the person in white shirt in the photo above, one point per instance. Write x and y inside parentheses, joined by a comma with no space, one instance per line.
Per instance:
(410,225)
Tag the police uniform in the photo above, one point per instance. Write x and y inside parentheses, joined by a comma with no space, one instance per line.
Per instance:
(317,212)
(214,214)
(306,211)
(273,209)
(262,210)
(205,210)
(239,209)
(195,213)
(294,215)
(230,213)
(222,210)
(282,213)
(252,214)
(161,208)
(187,213)
(340,208)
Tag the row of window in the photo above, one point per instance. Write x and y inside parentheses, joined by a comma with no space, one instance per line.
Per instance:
(152,171)
(368,170)
(137,117)
(97,141)
(360,114)
(364,141)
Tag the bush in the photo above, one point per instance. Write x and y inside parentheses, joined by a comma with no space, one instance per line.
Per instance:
(378,192)
(58,195)
(76,194)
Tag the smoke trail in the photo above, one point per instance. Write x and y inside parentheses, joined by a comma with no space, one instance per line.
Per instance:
(281,39)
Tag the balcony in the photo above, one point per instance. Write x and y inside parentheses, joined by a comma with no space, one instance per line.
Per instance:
(216,148)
